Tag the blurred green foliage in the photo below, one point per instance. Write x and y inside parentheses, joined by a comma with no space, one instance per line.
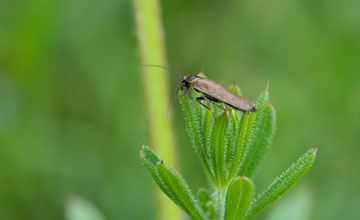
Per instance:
(72,112)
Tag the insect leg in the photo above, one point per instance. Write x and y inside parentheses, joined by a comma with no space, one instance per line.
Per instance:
(215,102)
(219,106)
(200,99)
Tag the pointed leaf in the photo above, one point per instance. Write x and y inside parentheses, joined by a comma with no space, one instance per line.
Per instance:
(198,108)
(194,129)
(181,191)
(261,103)
(250,150)
(204,198)
(150,161)
(208,123)
(218,148)
(205,202)
(235,88)
(296,206)
(211,212)
(242,138)
(192,119)
(283,183)
(238,198)
(231,136)
(261,142)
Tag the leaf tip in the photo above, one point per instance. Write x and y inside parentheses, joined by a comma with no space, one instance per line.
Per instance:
(267,87)
(141,148)
(201,74)
(315,151)
(224,113)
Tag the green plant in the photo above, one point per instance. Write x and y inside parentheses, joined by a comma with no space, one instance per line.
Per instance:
(230,147)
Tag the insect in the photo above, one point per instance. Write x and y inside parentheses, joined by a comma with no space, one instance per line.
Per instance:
(212,91)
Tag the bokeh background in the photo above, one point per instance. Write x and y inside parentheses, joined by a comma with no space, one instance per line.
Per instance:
(72,116)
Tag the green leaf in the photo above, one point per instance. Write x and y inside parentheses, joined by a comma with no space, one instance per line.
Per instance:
(261,142)
(150,161)
(283,183)
(194,129)
(257,125)
(212,213)
(242,138)
(170,183)
(204,198)
(208,123)
(235,88)
(198,108)
(206,204)
(181,191)
(238,198)
(217,153)
(192,119)
(297,205)
(261,103)
(231,136)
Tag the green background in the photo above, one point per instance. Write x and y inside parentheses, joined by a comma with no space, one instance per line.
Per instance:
(72,115)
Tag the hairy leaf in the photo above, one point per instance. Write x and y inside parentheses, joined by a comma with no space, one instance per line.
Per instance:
(206,203)
(284,182)
(150,161)
(199,109)
(218,148)
(251,149)
(208,123)
(204,198)
(242,138)
(194,129)
(181,191)
(235,88)
(261,142)
(238,198)
(231,134)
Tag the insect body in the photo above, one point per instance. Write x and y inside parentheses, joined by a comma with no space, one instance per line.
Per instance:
(213,92)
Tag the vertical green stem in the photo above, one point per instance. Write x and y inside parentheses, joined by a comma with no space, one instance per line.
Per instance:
(220,202)
(155,83)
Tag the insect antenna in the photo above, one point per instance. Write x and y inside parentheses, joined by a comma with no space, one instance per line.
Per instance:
(166,68)
(173,96)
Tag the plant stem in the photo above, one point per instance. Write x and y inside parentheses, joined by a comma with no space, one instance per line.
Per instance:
(155,83)
(220,202)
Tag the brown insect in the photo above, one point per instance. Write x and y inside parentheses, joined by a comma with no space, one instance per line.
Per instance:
(213,92)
